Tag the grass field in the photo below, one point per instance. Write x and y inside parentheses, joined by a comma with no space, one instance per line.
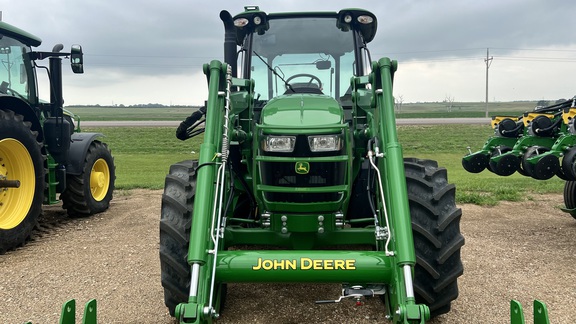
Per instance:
(463,109)
(117,113)
(408,110)
(144,155)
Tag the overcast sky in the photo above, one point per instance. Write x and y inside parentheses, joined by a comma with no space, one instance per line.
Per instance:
(144,51)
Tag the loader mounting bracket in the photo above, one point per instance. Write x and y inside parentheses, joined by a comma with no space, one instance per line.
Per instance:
(68,315)
(517,315)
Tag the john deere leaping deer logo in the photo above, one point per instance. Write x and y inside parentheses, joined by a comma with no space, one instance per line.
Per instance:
(302,167)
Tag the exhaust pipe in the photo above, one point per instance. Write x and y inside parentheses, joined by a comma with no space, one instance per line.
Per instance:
(229,41)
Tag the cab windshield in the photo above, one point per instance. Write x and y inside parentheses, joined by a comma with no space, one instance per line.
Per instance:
(13,75)
(311,54)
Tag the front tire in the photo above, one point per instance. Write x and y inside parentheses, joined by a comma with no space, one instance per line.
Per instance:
(21,159)
(175,225)
(437,237)
(91,191)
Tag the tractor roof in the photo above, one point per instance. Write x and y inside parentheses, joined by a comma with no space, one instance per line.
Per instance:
(19,34)
(351,18)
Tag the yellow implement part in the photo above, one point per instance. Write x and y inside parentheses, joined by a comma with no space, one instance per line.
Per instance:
(497,119)
(568,114)
(529,116)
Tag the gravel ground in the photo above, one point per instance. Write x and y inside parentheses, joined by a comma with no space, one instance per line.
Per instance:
(513,251)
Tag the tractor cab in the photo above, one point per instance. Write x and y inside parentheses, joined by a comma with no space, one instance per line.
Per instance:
(16,78)
(301,65)
(18,67)
(302,53)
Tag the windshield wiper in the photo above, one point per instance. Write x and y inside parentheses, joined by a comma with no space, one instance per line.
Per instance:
(274,71)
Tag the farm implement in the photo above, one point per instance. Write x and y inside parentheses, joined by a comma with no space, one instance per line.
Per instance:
(301,177)
(531,144)
(540,144)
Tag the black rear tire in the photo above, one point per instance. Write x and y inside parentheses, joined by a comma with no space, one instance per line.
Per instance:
(84,195)
(568,166)
(437,237)
(17,223)
(570,196)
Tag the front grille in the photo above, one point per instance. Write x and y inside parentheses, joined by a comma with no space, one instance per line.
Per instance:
(320,174)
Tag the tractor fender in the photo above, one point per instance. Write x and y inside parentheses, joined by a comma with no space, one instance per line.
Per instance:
(78,149)
(21,107)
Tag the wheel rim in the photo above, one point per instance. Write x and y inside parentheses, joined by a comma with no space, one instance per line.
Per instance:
(99,179)
(15,164)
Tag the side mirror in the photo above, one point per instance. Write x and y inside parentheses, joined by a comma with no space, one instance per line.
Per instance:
(76,59)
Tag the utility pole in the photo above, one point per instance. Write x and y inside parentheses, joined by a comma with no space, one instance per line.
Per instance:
(488,61)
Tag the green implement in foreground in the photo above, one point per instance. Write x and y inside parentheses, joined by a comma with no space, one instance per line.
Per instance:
(68,315)
(69,312)
(301,177)
(517,314)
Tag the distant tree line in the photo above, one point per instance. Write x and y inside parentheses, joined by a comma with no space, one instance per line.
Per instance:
(148,105)
(544,103)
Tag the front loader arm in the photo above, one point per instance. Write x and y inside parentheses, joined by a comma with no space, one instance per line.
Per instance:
(201,252)
(394,213)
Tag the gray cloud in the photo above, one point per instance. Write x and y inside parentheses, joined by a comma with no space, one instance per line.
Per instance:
(144,38)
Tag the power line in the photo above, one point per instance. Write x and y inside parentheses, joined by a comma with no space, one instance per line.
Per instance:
(538,59)
(149,56)
(441,60)
(437,51)
(534,49)
(455,56)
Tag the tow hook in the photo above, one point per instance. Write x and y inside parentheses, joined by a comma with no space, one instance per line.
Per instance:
(357,293)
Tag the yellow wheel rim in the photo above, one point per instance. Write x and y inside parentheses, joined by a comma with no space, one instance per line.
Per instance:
(15,164)
(99,179)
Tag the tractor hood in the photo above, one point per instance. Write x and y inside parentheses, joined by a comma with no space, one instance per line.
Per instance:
(302,110)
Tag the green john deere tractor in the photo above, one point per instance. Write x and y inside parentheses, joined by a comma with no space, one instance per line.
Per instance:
(43,156)
(301,177)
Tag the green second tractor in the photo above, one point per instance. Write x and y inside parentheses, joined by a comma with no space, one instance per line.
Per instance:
(44,158)
(301,177)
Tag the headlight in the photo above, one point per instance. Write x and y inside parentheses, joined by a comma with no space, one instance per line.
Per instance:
(279,144)
(324,143)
